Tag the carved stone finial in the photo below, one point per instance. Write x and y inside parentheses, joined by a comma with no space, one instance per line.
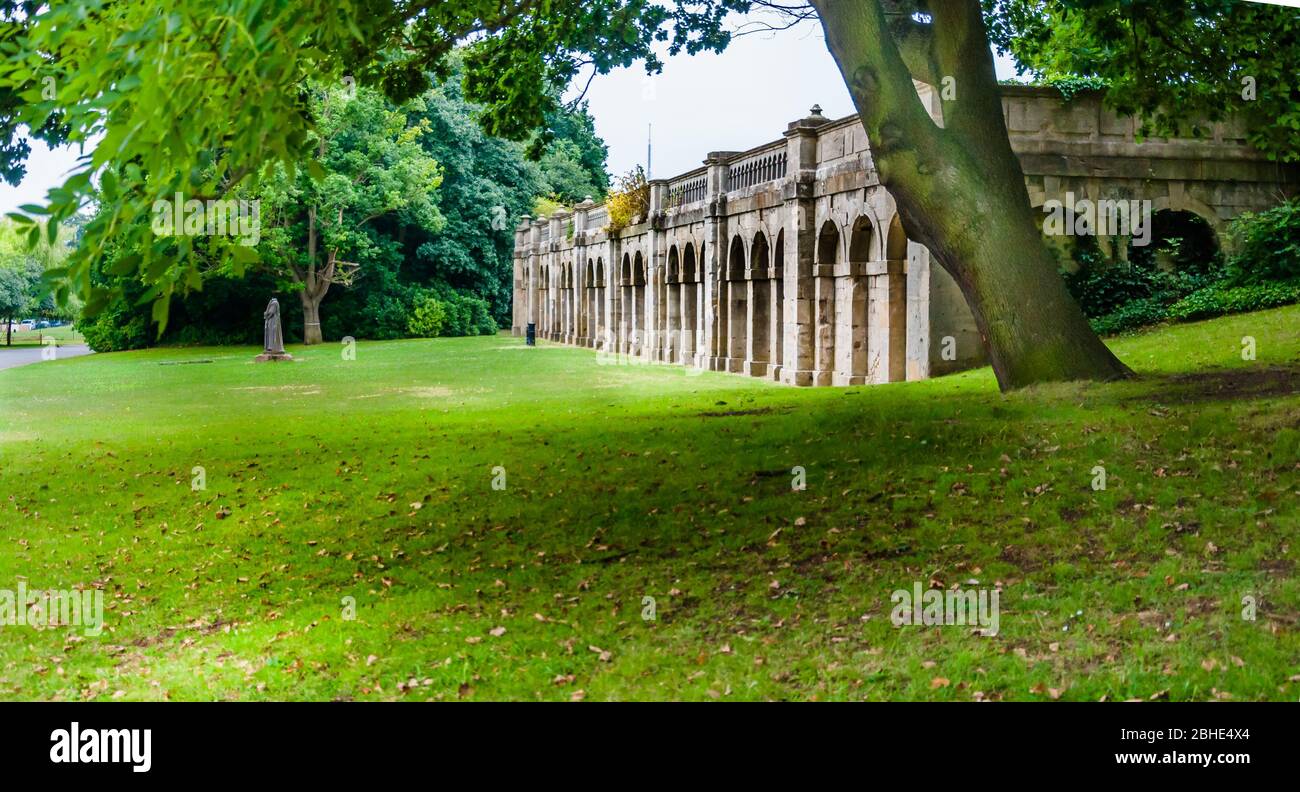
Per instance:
(816,111)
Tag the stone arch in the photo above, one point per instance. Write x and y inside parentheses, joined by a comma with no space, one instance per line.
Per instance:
(690,302)
(896,241)
(586,302)
(671,307)
(828,256)
(736,259)
(622,305)
(736,309)
(855,290)
(1200,250)
(600,336)
(638,337)
(778,302)
(759,324)
(1182,202)
(569,314)
(889,298)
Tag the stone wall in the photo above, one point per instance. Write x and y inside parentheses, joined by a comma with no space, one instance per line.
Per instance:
(788,261)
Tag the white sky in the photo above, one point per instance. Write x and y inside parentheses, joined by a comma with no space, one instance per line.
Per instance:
(45,169)
(730,102)
(734,101)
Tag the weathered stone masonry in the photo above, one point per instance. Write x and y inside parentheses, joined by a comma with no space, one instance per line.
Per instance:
(789,261)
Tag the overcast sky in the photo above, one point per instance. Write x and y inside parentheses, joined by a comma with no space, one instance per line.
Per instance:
(730,102)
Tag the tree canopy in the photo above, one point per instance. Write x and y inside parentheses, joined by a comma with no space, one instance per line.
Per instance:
(454,263)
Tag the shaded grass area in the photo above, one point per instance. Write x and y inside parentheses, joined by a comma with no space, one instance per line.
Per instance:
(631,489)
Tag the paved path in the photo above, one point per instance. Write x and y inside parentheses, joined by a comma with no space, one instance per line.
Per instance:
(12,357)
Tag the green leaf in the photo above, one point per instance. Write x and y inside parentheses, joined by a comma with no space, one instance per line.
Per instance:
(108,184)
(125,265)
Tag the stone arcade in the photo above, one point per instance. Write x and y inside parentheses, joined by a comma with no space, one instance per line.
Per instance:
(789,261)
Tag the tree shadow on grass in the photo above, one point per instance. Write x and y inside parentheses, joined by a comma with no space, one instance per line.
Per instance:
(1230,384)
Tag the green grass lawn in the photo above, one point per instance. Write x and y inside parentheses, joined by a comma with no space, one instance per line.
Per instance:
(373,479)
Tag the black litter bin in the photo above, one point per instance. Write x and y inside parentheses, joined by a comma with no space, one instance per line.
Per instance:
(531,336)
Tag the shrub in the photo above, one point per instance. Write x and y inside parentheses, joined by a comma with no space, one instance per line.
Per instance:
(466,315)
(1102,290)
(631,199)
(429,317)
(1221,298)
(116,328)
(387,316)
(1267,245)
(1132,315)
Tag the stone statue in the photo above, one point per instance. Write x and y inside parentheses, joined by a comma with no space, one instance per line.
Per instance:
(272,334)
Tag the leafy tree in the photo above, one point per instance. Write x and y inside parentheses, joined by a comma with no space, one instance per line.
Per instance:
(567,181)
(22,288)
(487,186)
(575,146)
(14,148)
(367,163)
(16,284)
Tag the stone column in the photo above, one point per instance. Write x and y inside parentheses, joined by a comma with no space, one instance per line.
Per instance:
(656,257)
(776,326)
(918,312)
(519,296)
(534,274)
(853,346)
(825,301)
(887,321)
(609,333)
(758,304)
(555,331)
(582,332)
(800,246)
(714,261)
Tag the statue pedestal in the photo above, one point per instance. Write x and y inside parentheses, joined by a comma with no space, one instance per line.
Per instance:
(272,357)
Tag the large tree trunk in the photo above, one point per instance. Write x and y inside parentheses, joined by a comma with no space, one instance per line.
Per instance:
(960,189)
(311,318)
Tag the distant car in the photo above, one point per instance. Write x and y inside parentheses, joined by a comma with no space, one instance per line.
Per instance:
(27,325)
(43,325)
